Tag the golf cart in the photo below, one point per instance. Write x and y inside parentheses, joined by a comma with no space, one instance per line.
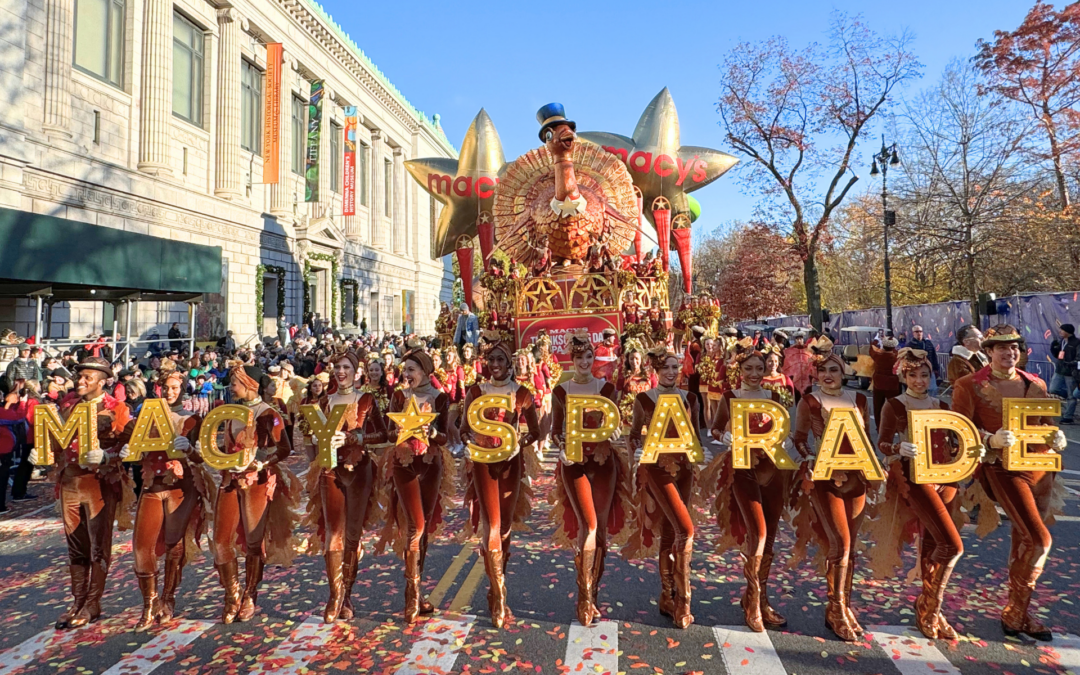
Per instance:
(857,354)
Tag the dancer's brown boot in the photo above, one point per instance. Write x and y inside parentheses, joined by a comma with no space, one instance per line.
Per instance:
(174,568)
(425,606)
(945,631)
(80,579)
(229,576)
(148,586)
(598,573)
(496,587)
(751,600)
(769,616)
(253,573)
(849,580)
(926,609)
(1015,618)
(412,586)
(681,573)
(91,609)
(336,581)
(348,575)
(836,617)
(584,562)
(667,583)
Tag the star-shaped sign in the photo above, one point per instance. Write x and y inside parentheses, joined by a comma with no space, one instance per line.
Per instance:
(659,164)
(412,422)
(466,185)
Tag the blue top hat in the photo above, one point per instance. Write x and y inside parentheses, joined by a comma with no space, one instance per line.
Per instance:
(550,115)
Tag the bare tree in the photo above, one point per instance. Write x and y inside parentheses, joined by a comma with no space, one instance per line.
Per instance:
(784,110)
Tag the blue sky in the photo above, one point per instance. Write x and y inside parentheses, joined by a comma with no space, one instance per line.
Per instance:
(606,60)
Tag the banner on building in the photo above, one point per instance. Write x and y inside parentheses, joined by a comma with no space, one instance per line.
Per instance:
(560,327)
(349,179)
(271,146)
(314,140)
(408,301)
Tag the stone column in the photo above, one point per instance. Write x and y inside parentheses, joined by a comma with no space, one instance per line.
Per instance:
(228,167)
(377,209)
(283,192)
(401,235)
(58,45)
(157,77)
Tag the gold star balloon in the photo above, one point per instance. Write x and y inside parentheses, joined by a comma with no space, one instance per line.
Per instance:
(466,186)
(659,164)
(412,422)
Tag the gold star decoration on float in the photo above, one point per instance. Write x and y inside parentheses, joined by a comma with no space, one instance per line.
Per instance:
(540,295)
(466,186)
(659,164)
(412,422)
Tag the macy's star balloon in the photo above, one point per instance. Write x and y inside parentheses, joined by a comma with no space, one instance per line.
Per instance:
(466,186)
(659,164)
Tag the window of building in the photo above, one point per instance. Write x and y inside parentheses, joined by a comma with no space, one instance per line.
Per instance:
(187,69)
(99,39)
(299,134)
(251,82)
(388,182)
(335,157)
(361,173)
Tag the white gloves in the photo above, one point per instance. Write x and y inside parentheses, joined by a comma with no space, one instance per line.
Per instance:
(789,447)
(1002,438)
(94,457)
(125,452)
(726,439)
(180,444)
(337,440)
(908,450)
(1058,440)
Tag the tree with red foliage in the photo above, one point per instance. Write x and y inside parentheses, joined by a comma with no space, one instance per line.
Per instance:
(1038,65)
(783,109)
(757,283)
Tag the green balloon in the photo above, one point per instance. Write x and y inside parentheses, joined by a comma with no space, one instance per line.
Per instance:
(695,207)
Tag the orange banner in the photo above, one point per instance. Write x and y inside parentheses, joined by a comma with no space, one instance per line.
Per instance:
(271,147)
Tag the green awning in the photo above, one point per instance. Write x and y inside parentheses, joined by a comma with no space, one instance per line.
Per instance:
(40,248)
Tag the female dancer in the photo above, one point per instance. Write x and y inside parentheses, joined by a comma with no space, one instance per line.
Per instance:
(775,380)
(314,394)
(498,496)
(176,498)
(759,494)
(455,388)
(839,505)
(421,478)
(596,488)
(634,379)
(343,500)
(664,489)
(1027,496)
(258,499)
(933,506)
(377,385)
(471,365)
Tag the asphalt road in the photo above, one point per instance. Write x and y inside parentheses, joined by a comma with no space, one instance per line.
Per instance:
(286,636)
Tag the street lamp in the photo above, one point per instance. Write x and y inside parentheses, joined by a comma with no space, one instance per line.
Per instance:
(885,158)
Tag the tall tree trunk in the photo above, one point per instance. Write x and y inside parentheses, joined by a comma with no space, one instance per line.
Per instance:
(969,278)
(813,291)
(1055,156)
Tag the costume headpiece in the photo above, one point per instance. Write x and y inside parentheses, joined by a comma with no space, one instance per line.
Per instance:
(633,345)
(1002,333)
(422,359)
(580,343)
(821,349)
(250,376)
(659,354)
(94,363)
(494,341)
(908,360)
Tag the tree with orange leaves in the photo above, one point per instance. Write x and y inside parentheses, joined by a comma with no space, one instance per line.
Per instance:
(1038,65)
(757,283)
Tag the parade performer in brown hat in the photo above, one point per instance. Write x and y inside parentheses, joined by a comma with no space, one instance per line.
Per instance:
(759,493)
(90,489)
(596,489)
(419,467)
(498,495)
(1026,496)
(927,508)
(344,500)
(174,507)
(664,517)
(839,504)
(256,504)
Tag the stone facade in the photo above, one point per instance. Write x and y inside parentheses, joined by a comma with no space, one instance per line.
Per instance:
(76,145)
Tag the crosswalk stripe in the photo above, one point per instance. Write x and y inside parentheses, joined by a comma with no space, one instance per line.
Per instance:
(746,652)
(149,656)
(912,654)
(437,648)
(292,655)
(1068,648)
(29,650)
(593,650)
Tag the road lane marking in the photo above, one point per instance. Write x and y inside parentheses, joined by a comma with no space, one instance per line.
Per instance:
(438,645)
(593,650)
(1067,647)
(292,655)
(24,653)
(746,652)
(149,656)
(464,595)
(450,575)
(911,653)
